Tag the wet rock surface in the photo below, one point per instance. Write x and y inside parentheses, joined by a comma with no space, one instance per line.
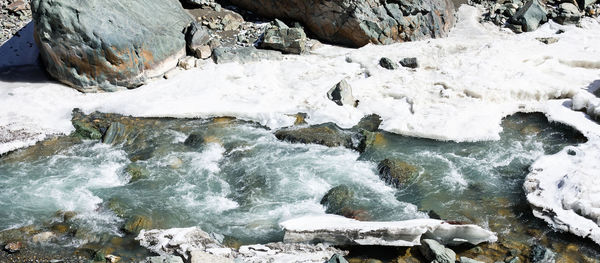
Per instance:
(397,172)
(328,134)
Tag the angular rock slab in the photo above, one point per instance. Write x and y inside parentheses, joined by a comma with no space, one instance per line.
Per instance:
(338,230)
(356,23)
(102,45)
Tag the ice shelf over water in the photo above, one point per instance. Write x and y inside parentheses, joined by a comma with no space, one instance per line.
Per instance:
(339,230)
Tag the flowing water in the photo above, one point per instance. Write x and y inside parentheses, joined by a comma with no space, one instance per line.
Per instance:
(241,181)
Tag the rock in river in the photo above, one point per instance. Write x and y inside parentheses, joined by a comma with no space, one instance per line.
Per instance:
(356,23)
(106,44)
(397,172)
(328,134)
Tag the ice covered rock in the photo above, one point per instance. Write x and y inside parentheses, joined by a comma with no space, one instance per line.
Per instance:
(163,259)
(359,22)
(341,94)
(339,230)
(179,241)
(103,45)
(243,55)
(282,252)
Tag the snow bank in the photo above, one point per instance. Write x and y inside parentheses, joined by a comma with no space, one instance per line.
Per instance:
(339,230)
(466,83)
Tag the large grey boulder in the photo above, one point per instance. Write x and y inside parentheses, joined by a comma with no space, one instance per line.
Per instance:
(102,45)
(568,13)
(287,40)
(356,23)
(531,15)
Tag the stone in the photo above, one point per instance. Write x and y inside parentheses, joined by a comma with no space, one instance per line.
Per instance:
(436,252)
(397,172)
(243,55)
(204,52)
(328,134)
(194,140)
(286,40)
(541,254)
(196,37)
(568,13)
(137,223)
(107,45)
(283,252)
(547,40)
(369,123)
(409,62)
(530,15)
(199,256)
(86,130)
(231,22)
(356,23)
(585,3)
(115,133)
(18,5)
(469,260)
(280,24)
(337,258)
(177,241)
(387,63)
(112,259)
(337,199)
(341,94)
(163,259)
(187,63)
(43,237)
(13,247)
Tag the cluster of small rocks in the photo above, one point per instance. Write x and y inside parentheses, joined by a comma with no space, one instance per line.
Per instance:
(14,15)
(526,15)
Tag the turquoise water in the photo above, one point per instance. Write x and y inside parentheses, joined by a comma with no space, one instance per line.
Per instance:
(242,181)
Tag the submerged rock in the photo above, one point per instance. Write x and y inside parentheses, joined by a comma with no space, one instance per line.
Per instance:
(397,172)
(541,254)
(287,40)
(137,223)
(341,94)
(339,230)
(137,172)
(356,23)
(436,252)
(106,44)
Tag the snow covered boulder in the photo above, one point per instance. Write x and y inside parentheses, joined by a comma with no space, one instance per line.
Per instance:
(106,44)
(356,23)
(339,230)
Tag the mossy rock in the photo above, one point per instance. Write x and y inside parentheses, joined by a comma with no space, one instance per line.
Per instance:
(86,130)
(137,172)
(136,223)
(397,172)
(338,199)
(118,207)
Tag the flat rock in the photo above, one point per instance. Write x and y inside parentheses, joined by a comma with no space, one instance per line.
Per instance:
(339,230)
(106,45)
(328,134)
(436,252)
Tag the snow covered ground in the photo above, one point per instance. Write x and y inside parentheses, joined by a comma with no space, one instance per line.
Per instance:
(465,85)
